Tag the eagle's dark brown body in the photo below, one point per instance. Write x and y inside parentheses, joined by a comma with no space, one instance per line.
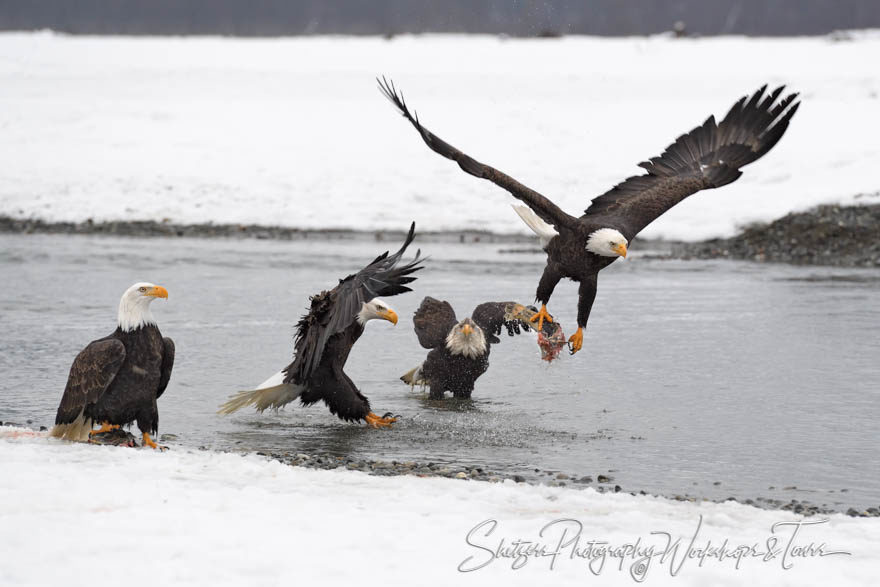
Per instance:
(117,379)
(567,256)
(456,374)
(327,381)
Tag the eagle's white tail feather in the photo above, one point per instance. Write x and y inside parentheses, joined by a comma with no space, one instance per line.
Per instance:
(276,379)
(544,231)
(78,430)
(262,398)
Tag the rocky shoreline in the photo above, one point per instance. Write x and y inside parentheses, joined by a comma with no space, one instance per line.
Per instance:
(842,236)
(152,228)
(601,482)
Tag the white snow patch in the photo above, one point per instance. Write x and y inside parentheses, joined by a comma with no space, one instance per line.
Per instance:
(294,131)
(72,512)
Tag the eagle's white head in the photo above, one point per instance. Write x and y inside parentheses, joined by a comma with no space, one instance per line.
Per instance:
(134,307)
(374,309)
(607,242)
(466,338)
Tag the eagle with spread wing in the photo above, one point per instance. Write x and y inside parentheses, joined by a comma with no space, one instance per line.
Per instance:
(459,349)
(325,337)
(709,156)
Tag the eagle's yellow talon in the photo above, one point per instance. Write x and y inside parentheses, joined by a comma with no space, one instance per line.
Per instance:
(379,422)
(149,442)
(105,427)
(576,341)
(542,315)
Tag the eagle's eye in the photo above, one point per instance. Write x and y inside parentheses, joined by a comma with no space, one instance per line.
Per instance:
(142,289)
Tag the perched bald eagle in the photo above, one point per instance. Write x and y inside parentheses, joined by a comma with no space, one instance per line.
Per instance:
(117,379)
(709,156)
(460,348)
(325,337)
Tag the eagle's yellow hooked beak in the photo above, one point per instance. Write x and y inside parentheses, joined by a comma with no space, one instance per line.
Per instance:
(620,250)
(389,315)
(466,329)
(157,292)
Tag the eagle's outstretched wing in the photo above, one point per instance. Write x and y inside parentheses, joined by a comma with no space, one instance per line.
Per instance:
(333,311)
(90,375)
(493,316)
(709,156)
(544,208)
(433,321)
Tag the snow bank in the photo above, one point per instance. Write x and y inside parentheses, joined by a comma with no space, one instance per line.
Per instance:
(294,132)
(74,514)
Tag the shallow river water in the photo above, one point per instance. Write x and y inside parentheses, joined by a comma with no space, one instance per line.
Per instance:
(708,378)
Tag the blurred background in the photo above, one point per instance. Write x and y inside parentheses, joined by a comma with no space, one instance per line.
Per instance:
(390,17)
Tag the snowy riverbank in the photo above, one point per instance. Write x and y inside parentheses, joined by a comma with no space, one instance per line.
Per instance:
(294,132)
(218,518)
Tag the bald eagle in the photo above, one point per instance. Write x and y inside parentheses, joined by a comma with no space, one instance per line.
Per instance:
(117,379)
(709,156)
(460,348)
(324,339)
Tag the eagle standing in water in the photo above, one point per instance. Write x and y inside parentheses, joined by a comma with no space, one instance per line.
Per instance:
(324,339)
(460,349)
(709,156)
(117,379)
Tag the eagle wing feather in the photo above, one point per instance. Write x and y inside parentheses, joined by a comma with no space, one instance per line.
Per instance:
(333,311)
(709,156)
(543,207)
(433,321)
(92,371)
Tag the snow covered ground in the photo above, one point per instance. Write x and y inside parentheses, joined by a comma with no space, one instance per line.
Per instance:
(80,515)
(294,132)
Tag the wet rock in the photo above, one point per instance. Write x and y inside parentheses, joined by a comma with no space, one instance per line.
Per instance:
(844,236)
(562,476)
(605,479)
(461,475)
(519,479)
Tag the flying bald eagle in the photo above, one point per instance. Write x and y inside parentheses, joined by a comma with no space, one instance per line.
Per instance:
(324,339)
(460,348)
(117,379)
(709,156)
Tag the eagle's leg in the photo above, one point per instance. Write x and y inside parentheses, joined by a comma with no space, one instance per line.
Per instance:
(147,441)
(548,282)
(586,295)
(542,315)
(576,342)
(379,421)
(105,427)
